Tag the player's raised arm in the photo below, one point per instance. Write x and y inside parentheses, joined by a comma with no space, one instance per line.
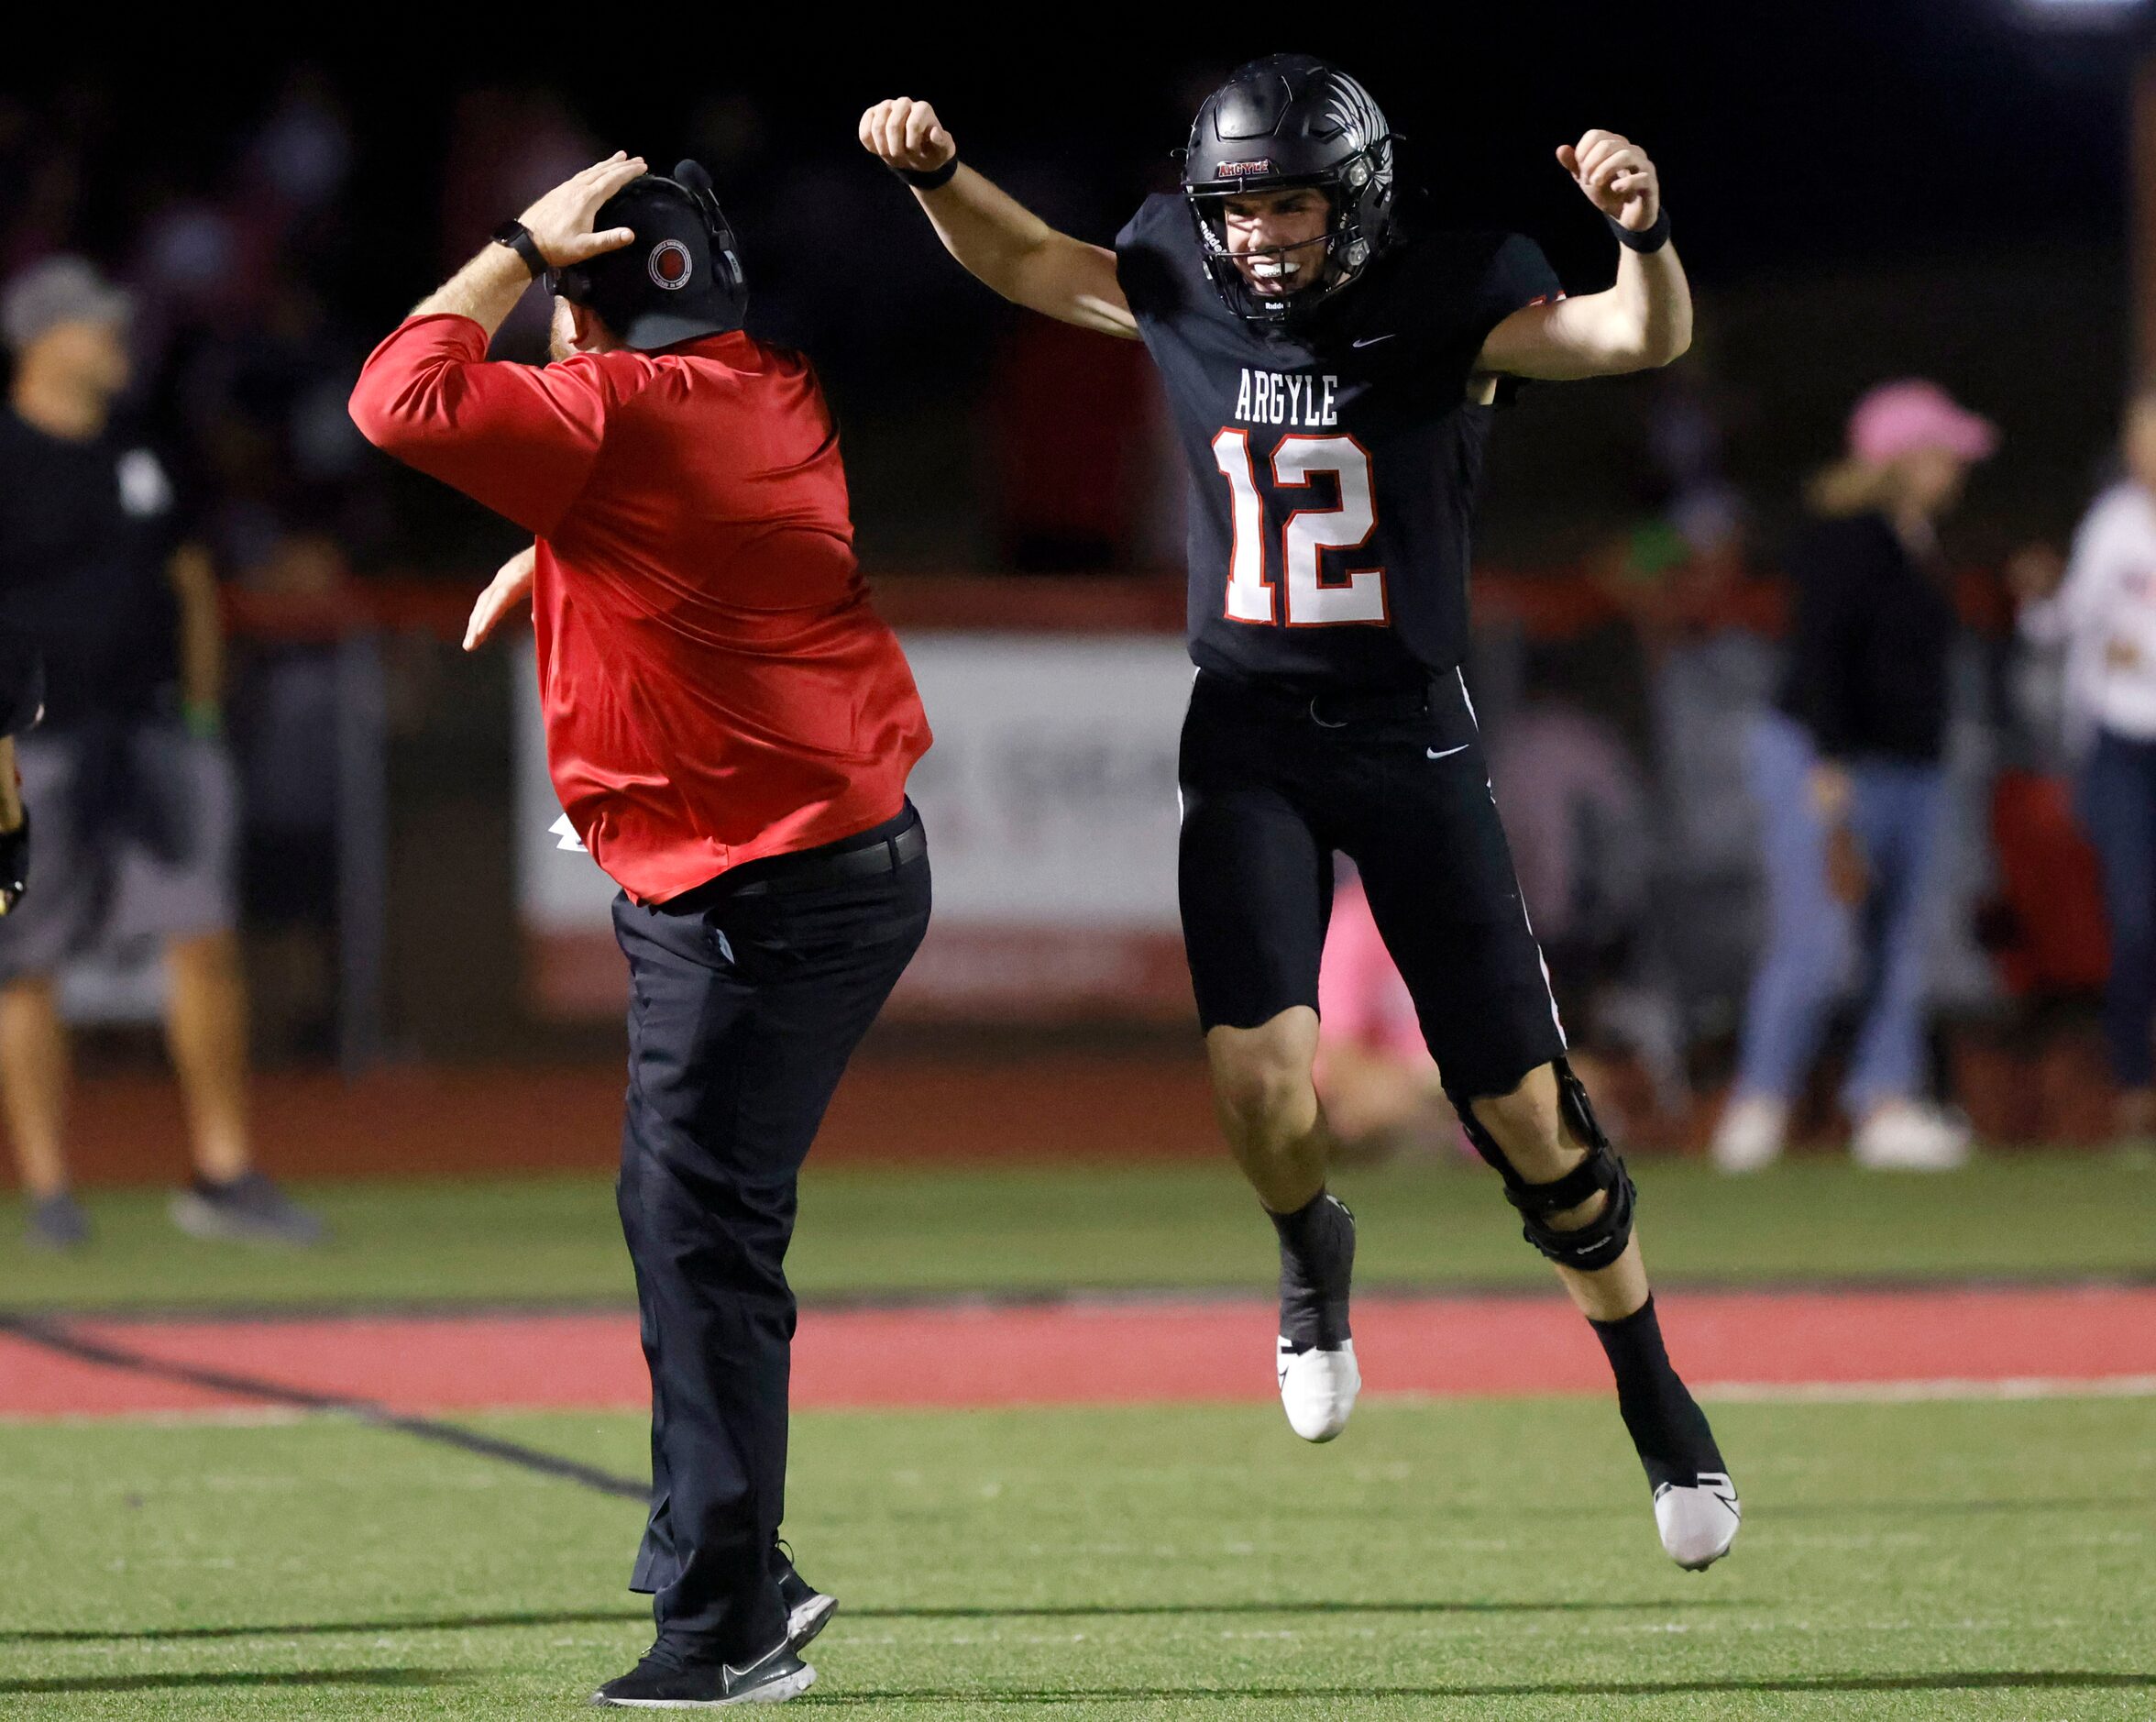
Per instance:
(1644,320)
(997,239)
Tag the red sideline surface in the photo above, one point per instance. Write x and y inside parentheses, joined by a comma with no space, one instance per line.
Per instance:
(1152,1351)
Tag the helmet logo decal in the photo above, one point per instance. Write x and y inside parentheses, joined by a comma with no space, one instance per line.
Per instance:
(1237,169)
(669,265)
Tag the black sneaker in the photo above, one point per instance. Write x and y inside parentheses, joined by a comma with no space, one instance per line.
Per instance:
(56,1222)
(809,1610)
(248,1209)
(661,1683)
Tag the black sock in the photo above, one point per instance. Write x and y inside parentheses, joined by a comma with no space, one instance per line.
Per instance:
(1666,1423)
(1317,1261)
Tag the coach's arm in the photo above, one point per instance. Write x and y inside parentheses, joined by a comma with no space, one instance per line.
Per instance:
(997,239)
(1644,321)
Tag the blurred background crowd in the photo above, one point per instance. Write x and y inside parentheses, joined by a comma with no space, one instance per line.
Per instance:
(1944,191)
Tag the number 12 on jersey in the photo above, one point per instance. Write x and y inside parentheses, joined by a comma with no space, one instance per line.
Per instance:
(1314,601)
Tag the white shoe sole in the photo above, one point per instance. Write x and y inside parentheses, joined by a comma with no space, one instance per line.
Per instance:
(1699,1523)
(1318,1389)
(778,1692)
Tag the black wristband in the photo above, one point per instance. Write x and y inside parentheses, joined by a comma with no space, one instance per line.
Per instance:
(518,239)
(934,177)
(1646,242)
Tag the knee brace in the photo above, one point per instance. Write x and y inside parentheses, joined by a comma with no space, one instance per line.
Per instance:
(1603,1239)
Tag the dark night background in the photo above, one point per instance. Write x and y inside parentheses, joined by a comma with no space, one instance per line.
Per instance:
(1858,191)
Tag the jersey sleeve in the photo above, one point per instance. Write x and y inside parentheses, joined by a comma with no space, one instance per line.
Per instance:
(1153,255)
(518,438)
(1466,285)
(1515,276)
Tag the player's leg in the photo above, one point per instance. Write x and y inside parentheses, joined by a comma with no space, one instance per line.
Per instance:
(37,936)
(34,1082)
(206,1029)
(1575,1200)
(1896,809)
(180,890)
(1805,958)
(1471,963)
(1256,888)
(2116,802)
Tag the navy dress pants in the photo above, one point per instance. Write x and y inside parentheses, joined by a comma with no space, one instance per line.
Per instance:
(746,999)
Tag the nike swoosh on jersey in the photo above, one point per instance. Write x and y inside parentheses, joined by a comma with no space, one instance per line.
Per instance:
(1371,341)
(1448,753)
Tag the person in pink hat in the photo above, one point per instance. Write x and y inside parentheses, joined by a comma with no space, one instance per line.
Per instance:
(1847,769)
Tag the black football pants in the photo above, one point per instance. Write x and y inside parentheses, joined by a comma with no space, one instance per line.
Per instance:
(744,1007)
(1272,784)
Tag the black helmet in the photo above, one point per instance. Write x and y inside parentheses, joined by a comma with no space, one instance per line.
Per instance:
(1290,120)
(680,278)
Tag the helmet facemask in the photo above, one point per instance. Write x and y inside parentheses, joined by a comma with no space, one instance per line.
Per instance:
(1360,193)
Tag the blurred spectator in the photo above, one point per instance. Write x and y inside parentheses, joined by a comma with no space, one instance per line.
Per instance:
(1067,441)
(286,704)
(1848,773)
(1375,1075)
(132,796)
(1579,817)
(2104,613)
(1711,666)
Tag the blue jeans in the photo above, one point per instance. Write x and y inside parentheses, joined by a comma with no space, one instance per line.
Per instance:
(1814,942)
(2119,810)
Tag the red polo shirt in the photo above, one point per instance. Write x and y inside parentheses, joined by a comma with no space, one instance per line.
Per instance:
(716,685)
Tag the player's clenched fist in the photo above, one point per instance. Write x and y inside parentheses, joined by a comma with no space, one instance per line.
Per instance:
(904,133)
(1616,177)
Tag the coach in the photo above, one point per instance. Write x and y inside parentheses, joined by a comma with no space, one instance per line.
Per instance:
(729,727)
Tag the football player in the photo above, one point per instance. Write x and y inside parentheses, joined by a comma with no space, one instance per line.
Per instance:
(1332,367)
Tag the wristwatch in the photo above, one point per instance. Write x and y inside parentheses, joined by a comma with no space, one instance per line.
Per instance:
(518,239)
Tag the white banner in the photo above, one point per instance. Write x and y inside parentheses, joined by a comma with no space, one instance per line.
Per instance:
(1050,802)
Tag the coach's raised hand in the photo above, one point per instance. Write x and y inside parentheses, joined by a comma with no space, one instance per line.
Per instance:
(560,222)
(486,290)
(1616,177)
(906,134)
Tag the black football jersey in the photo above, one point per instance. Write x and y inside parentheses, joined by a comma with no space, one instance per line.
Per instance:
(1333,467)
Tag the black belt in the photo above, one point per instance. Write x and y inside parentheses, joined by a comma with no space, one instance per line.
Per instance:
(817,869)
(1336,709)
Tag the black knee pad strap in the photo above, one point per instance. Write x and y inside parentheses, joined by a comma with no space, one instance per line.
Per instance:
(1603,1239)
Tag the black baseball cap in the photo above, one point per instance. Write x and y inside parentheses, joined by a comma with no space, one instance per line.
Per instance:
(680,279)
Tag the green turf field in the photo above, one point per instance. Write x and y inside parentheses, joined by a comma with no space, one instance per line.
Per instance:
(866,1232)
(1471,1559)
(1465,1559)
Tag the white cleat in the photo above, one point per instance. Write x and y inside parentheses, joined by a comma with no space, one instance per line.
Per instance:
(1697,1524)
(1318,1389)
